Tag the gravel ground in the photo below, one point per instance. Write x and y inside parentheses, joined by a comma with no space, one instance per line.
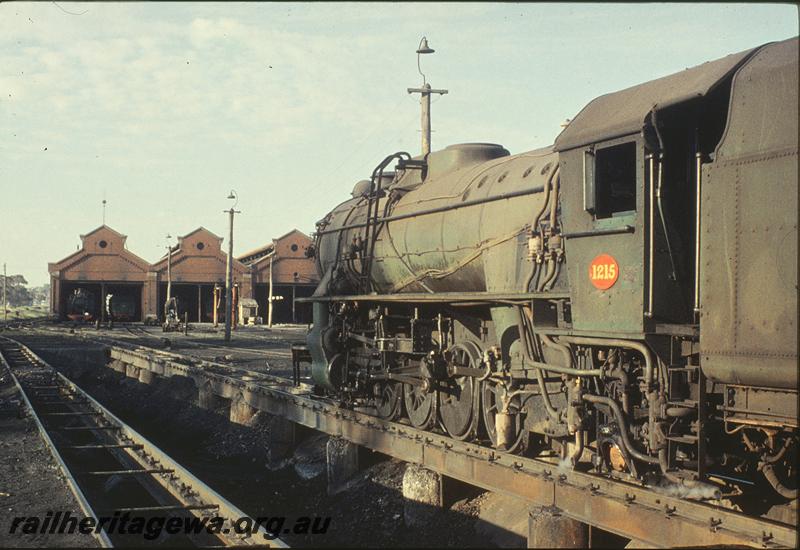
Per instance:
(30,481)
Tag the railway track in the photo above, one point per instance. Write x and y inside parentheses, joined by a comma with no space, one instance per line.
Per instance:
(137,331)
(115,473)
(140,332)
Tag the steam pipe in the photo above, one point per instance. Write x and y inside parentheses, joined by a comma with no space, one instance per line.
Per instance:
(547,275)
(531,275)
(540,213)
(775,458)
(546,397)
(523,335)
(550,280)
(648,370)
(554,200)
(616,342)
(779,487)
(651,239)
(535,227)
(664,222)
(439,209)
(698,177)
(553,209)
(623,427)
(372,228)
(622,376)
(767,468)
(318,240)
(564,350)
(569,371)
(576,456)
(654,121)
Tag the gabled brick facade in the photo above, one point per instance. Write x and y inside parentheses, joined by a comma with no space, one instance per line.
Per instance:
(294,275)
(103,265)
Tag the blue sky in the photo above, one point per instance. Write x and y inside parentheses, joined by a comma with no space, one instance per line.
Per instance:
(162,108)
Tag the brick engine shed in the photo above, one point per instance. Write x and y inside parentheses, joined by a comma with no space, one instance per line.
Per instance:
(198,264)
(292,273)
(103,265)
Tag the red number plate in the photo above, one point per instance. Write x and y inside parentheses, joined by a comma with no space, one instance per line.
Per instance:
(603,271)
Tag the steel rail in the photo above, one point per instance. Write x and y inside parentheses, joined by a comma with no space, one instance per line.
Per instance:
(83,502)
(628,509)
(180,483)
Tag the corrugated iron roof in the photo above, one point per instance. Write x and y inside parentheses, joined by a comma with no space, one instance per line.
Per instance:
(256,254)
(622,113)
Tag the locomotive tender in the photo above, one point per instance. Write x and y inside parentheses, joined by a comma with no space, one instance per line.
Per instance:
(625,299)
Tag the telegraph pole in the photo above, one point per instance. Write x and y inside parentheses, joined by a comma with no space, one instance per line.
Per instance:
(269,309)
(228,278)
(5,308)
(169,276)
(229,267)
(425,98)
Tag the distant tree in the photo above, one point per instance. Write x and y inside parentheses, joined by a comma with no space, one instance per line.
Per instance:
(40,294)
(16,292)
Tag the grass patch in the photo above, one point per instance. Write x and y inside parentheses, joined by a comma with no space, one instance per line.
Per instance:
(25,312)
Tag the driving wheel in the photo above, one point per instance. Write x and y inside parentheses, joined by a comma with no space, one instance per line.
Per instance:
(459,397)
(421,406)
(388,399)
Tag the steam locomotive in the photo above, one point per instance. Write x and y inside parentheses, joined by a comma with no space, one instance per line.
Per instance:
(82,306)
(121,307)
(624,300)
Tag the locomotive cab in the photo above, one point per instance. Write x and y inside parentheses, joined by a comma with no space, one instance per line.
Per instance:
(631,160)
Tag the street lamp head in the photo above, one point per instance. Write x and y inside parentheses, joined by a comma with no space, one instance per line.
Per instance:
(234,196)
(421,50)
(423,47)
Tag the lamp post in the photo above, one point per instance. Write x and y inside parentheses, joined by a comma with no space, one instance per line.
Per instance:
(169,268)
(425,97)
(269,310)
(229,266)
(5,309)
(169,277)
(168,297)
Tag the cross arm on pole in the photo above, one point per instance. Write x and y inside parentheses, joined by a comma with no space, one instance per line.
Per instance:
(426,91)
